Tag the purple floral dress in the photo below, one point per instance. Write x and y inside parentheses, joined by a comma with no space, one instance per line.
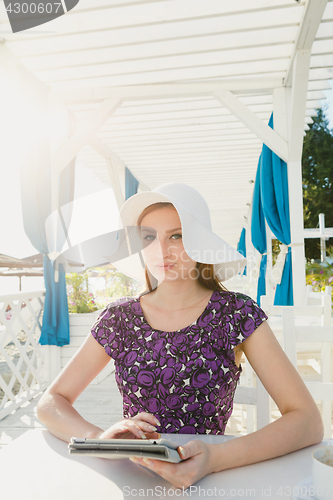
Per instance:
(186,378)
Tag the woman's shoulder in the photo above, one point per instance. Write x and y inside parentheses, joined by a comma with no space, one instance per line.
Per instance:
(229,296)
(237,302)
(121,302)
(240,315)
(114,309)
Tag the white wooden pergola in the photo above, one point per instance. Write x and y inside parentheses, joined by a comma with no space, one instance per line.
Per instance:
(182,90)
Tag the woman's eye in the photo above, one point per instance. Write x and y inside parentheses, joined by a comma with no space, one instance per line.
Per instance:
(149,237)
(176,236)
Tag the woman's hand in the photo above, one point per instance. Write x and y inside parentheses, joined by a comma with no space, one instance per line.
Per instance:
(198,462)
(142,426)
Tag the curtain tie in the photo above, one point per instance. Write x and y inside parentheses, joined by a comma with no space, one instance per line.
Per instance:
(277,269)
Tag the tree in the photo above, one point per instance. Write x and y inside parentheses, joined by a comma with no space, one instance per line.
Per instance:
(317,171)
(81,295)
(117,284)
(80,300)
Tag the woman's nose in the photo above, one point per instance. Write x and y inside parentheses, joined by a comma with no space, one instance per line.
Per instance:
(166,249)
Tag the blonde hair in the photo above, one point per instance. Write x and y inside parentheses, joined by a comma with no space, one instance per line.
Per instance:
(206,274)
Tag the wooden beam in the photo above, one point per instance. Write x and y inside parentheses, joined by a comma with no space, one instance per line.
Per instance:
(112,162)
(8,60)
(297,97)
(107,153)
(289,112)
(101,148)
(280,112)
(164,90)
(316,233)
(295,104)
(114,178)
(268,136)
(312,17)
(19,74)
(64,156)
(297,231)
(313,13)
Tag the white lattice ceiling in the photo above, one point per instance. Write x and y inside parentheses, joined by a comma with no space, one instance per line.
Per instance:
(192,139)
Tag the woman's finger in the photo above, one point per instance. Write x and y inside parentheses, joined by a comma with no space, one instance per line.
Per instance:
(146,429)
(141,430)
(170,472)
(147,417)
(133,428)
(195,466)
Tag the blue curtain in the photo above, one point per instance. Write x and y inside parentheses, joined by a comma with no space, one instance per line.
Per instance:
(275,204)
(35,180)
(241,246)
(36,206)
(131,184)
(258,231)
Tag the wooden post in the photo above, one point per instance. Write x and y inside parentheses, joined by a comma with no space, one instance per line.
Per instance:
(322,238)
(269,286)
(326,354)
(52,362)
(323,233)
(289,115)
(296,99)
(289,104)
(250,257)
(115,183)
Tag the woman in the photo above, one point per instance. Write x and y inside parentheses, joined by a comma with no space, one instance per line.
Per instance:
(177,348)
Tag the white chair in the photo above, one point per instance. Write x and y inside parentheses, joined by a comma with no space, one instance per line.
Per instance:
(309,345)
(315,298)
(321,389)
(251,395)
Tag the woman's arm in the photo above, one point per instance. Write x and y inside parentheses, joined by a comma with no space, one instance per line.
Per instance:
(299,426)
(55,408)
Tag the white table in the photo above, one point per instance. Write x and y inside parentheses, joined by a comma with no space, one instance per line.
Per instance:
(37,466)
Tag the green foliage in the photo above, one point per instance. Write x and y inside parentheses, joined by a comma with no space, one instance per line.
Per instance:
(80,300)
(318,281)
(319,276)
(275,250)
(116,284)
(317,172)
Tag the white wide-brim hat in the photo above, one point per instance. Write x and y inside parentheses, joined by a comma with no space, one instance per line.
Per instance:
(200,243)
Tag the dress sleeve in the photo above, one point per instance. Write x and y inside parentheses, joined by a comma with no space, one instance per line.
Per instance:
(245,318)
(106,327)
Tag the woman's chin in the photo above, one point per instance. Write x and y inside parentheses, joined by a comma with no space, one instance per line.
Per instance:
(165,274)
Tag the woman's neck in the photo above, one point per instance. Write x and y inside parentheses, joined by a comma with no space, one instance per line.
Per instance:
(179,296)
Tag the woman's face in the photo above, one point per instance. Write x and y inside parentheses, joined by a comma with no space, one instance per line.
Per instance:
(164,254)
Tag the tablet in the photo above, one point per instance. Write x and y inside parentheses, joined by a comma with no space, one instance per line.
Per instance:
(158,449)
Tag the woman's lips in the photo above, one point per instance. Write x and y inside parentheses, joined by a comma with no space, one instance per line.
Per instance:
(166,266)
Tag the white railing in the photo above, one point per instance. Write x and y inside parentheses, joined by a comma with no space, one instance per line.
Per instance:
(21,356)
